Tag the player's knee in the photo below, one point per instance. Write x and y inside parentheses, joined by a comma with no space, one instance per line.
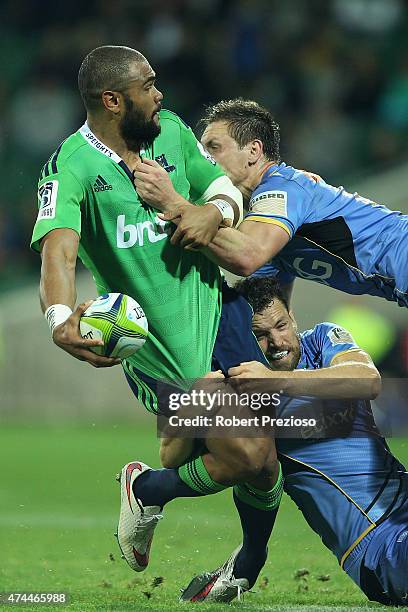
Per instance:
(271,465)
(258,455)
(235,460)
(250,459)
(249,469)
(232,474)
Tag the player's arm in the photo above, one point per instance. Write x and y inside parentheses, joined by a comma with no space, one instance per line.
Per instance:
(59,249)
(154,186)
(244,250)
(198,225)
(276,210)
(220,202)
(351,375)
(56,236)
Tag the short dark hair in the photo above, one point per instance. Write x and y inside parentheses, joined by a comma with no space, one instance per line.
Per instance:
(261,291)
(105,68)
(247,120)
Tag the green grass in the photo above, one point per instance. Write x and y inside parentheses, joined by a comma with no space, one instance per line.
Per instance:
(58,512)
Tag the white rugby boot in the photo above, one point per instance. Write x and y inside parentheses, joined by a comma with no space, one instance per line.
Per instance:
(219,585)
(136,522)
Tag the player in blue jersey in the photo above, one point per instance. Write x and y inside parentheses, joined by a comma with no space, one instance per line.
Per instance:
(351,490)
(297,224)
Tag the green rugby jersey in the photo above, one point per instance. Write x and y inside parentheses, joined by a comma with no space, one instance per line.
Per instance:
(86,187)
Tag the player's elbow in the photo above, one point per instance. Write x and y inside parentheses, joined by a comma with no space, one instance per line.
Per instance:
(247,270)
(254,257)
(374,387)
(369,383)
(248,264)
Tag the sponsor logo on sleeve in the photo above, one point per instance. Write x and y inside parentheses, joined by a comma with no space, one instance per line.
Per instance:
(205,153)
(270,203)
(47,194)
(338,335)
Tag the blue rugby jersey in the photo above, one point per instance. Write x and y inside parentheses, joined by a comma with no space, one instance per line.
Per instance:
(337,238)
(344,486)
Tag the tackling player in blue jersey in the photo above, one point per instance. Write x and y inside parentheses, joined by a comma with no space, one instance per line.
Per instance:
(351,490)
(297,224)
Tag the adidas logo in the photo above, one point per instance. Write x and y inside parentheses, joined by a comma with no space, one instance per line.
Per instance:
(101,185)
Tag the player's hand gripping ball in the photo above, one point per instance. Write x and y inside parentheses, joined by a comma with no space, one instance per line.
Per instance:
(119,321)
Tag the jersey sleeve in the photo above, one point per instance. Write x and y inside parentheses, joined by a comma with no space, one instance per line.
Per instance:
(280,202)
(270,269)
(333,340)
(59,205)
(201,168)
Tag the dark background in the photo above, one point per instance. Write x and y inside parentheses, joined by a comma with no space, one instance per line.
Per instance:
(334,73)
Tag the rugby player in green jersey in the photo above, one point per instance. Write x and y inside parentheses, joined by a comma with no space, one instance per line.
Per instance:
(89,207)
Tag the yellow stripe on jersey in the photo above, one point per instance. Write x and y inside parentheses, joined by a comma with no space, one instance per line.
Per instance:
(350,350)
(354,544)
(268,220)
(365,532)
(334,483)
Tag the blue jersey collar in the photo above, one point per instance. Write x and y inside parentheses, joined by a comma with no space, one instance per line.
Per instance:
(272,169)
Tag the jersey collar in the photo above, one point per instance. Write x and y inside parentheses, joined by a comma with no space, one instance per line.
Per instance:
(267,171)
(92,140)
(272,169)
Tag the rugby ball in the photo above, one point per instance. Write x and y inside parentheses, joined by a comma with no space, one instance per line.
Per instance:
(119,321)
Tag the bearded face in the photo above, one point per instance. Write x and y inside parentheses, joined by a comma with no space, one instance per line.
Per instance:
(137,130)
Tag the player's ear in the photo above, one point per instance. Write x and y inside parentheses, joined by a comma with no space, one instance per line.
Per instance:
(255,151)
(111,101)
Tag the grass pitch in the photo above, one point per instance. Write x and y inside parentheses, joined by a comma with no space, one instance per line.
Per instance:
(59,509)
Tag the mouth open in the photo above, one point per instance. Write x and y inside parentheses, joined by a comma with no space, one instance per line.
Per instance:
(278,355)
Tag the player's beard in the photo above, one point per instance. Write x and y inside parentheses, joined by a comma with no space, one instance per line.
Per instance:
(137,132)
(290,362)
